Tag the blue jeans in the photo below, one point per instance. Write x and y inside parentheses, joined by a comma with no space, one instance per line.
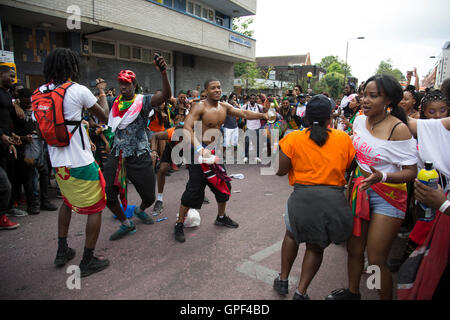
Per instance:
(381,206)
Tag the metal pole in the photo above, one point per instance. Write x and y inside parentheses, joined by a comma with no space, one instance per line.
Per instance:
(1,34)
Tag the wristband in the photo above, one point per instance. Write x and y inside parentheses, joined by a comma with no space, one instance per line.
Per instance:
(102,95)
(444,206)
(384,178)
(199,148)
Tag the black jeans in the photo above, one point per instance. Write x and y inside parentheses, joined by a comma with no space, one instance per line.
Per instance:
(139,171)
(5,191)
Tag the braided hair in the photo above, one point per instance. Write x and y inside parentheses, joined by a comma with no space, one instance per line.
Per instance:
(432,96)
(60,65)
(415,95)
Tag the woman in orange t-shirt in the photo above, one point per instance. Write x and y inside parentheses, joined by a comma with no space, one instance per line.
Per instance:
(317,211)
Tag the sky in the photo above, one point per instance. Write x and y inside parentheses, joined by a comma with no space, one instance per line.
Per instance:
(406,31)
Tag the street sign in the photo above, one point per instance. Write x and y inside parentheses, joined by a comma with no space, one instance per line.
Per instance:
(272,75)
(7,58)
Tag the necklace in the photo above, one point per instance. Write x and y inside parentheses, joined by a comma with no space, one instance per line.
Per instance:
(378,122)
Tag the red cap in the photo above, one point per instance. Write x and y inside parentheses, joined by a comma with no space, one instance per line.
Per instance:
(126,76)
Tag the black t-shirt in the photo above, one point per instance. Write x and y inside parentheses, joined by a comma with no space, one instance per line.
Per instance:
(6,109)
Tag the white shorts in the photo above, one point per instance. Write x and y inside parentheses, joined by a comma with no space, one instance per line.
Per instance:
(230,137)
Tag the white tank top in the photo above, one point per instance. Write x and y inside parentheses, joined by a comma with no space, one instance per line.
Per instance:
(384,155)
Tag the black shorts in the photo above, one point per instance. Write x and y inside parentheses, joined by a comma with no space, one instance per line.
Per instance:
(195,189)
(139,171)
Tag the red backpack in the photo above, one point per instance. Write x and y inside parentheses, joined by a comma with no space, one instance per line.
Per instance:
(49,113)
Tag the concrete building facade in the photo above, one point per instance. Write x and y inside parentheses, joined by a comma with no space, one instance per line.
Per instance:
(195,37)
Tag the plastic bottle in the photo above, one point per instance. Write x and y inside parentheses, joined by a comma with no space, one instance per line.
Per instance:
(429,177)
(272,113)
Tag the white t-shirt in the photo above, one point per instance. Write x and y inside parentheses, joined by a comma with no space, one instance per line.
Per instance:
(73,156)
(253,124)
(384,155)
(434,144)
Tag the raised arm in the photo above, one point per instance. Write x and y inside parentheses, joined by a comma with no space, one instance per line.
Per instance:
(166,93)
(246,114)
(101,109)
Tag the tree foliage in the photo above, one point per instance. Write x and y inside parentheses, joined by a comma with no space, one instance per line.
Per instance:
(386,67)
(334,64)
(332,82)
(242,25)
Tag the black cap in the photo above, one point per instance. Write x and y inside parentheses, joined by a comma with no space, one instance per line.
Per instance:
(319,108)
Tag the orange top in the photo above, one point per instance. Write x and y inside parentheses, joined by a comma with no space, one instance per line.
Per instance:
(312,164)
(170,133)
(155,126)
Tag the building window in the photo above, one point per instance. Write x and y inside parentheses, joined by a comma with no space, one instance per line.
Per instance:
(136,53)
(211,15)
(198,10)
(103,48)
(168,3)
(124,52)
(190,7)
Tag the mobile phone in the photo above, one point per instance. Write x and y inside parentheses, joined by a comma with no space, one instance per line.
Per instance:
(161,68)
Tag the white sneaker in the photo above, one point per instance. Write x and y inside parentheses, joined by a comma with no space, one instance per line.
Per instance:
(245,160)
(258,160)
(14,212)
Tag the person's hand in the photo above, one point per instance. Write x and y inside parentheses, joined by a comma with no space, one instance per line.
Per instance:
(93,147)
(6,140)
(29,138)
(206,153)
(375,177)
(16,139)
(154,156)
(13,151)
(433,198)
(160,63)
(345,120)
(415,72)
(100,84)
(19,111)
(265,116)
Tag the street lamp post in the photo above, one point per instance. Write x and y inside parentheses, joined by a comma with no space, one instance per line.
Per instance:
(309,75)
(346,56)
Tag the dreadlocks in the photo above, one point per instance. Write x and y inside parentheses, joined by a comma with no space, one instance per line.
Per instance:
(60,65)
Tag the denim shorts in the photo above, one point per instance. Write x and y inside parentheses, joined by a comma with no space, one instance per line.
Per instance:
(381,206)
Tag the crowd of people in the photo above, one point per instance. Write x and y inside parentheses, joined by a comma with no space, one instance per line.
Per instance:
(352,163)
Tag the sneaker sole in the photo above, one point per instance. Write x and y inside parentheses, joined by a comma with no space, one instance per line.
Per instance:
(10,228)
(225,225)
(90,272)
(123,235)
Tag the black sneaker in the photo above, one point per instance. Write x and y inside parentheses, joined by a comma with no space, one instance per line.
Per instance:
(281,286)
(95,265)
(179,233)
(298,296)
(226,222)
(48,206)
(62,257)
(343,294)
(157,209)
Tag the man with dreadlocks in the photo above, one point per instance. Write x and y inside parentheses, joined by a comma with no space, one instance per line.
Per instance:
(76,172)
(130,157)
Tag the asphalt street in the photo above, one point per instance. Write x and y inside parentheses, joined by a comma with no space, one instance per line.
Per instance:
(215,263)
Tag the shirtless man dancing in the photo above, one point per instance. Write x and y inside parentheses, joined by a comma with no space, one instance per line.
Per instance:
(212,113)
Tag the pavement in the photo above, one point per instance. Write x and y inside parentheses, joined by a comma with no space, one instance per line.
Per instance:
(215,263)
